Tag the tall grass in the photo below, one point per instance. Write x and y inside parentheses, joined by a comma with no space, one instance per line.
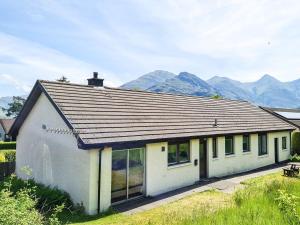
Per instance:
(256,204)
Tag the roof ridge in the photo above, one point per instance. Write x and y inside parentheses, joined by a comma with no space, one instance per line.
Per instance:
(144,91)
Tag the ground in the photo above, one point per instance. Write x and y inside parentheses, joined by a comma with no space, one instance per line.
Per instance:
(255,203)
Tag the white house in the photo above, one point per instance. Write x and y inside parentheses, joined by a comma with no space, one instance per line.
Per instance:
(106,145)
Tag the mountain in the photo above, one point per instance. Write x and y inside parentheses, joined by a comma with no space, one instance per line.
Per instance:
(267,91)
(185,83)
(230,88)
(148,80)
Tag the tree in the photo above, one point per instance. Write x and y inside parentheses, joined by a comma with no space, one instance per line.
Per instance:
(217,97)
(63,79)
(15,106)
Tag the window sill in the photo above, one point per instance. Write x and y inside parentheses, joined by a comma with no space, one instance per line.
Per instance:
(263,156)
(215,159)
(247,153)
(179,165)
(285,150)
(230,156)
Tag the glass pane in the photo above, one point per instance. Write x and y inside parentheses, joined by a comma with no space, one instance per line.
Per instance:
(264,144)
(284,143)
(136,172)
(119,174)
(246,144)
(183,152)
(215,151)
(172,154)
(228,145)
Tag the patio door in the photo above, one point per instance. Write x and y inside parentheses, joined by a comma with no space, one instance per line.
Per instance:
(128,168)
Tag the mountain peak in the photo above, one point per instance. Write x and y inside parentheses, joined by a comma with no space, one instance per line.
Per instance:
(267,78)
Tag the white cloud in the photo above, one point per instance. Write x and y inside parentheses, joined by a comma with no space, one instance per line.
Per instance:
(7,79)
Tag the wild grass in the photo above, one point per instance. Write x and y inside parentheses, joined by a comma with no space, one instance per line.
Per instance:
(257,204)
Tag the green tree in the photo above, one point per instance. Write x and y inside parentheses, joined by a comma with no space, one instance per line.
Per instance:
(15,106)
(296,142)
(217,97)
(63,79)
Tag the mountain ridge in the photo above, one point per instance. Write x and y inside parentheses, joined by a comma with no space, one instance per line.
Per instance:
(266,91)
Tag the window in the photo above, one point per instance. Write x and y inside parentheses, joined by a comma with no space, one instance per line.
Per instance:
(229,145)
(178,153)
(262,144)
(284,143)
(246,143)
(215,148)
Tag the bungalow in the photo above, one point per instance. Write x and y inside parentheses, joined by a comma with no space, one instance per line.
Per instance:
(5,125)
(106,145)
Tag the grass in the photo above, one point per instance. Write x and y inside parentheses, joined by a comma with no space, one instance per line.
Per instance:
(255,204)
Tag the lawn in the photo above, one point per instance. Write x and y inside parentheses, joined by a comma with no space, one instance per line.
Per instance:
(255,204)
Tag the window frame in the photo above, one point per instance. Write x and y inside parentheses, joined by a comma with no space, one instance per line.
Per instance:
(249,143)
(177,143)
(284,143)
(214,147)
(260,153)
(232,138)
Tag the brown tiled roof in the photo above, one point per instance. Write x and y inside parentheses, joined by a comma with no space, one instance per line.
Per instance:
(109,115)
(6,124)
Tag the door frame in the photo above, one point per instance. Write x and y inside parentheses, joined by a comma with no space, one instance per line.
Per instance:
(276,149)
(127,175)
(205,140)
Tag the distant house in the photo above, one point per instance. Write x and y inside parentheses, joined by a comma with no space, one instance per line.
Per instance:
(5,125)
(291,116)
(107,145)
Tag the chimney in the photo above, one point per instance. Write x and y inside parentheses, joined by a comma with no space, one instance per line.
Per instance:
(95,81)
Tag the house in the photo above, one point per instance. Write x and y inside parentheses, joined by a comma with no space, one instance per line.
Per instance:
(107,145)
(291,116)
(5,125)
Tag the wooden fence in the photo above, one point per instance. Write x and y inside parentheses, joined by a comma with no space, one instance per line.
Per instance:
(6,169)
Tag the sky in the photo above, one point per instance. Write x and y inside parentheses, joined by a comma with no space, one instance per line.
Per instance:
(123,39)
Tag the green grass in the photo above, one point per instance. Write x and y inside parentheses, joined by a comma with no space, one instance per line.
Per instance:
(255,204)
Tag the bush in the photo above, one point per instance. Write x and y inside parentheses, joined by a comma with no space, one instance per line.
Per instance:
(295,158)
(47,198)
(8,145)
(21,207)
(10,155)
(2,158)
(296,142)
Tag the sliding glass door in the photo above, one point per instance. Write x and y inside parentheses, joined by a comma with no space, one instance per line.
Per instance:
(127,174)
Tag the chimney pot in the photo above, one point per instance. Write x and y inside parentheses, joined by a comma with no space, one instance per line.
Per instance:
(95,75)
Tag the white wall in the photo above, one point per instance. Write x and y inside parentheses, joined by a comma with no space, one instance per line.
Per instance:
(245,161)
(54,158)
(160,178)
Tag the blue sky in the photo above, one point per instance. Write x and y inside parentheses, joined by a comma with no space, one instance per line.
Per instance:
(124,39)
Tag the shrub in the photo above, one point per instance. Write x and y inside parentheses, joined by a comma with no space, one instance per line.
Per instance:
(295,158)
(10,155)
(287,204)
(47,198)
(21,207)
(2,158)
(8,145)
(296,142)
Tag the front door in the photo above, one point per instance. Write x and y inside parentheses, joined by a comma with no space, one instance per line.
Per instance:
(127,179)
(276,149)
(203,158)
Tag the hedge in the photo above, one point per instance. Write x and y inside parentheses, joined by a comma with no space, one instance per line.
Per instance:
(7,145)
(9,155)
(296,142)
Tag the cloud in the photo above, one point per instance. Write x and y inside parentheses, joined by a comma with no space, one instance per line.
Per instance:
(16,83)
